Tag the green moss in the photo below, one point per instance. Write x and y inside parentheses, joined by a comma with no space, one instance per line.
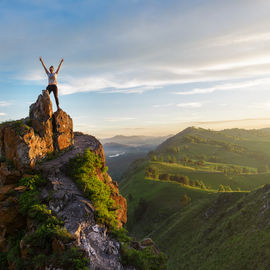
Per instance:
(83,170)
(121,235)
(47,228)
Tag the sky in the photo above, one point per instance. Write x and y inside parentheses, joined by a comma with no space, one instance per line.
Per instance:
(139,67)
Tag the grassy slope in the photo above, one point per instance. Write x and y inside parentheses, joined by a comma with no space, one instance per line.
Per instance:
(252,141)
(214,178)
(164,199)
(214,231)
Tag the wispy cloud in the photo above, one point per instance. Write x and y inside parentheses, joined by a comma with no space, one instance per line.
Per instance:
(5,103)
(226,87)
(189,105)
(163,105)
(237,38)
(260,105)
(2,114)
(119,119)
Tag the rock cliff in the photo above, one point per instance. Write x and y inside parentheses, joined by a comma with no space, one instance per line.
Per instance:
(43,144)
(26,141)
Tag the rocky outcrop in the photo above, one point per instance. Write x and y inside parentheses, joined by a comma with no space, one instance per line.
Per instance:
(62,130)
(83,142)
(26,141)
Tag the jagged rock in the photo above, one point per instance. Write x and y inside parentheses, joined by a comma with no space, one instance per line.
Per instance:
(4,191)
(8,175)
(57,245)
(40,114)
(28,140)
(147,242)
(22,144)
(2,154)
(63,130)
(70,205)
(11,221)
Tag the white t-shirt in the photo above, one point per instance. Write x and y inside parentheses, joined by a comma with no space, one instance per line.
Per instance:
(52,78)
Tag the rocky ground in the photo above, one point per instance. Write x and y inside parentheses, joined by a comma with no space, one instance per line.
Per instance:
(70,204)
(27,145)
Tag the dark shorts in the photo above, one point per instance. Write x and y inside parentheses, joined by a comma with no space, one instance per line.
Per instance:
(52,87)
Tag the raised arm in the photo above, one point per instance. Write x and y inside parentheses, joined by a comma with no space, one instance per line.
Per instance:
(46,70)
(62,60)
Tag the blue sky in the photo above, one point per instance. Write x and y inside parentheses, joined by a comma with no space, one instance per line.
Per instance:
(140,66)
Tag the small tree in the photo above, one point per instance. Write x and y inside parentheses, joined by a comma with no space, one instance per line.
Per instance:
(263,169)
(185,200)
(164,176)
(185,180)
(192,183)
(221,188)
(228,188)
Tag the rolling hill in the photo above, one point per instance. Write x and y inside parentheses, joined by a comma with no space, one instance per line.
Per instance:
(174,196)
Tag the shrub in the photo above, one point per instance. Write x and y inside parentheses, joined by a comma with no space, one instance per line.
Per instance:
(144,259)
(164,176)
(83,170)
(221,188)
(47,228)
(185,200)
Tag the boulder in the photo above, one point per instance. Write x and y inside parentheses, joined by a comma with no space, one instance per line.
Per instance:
(147,242)
(40,114)
(63,130)
(8,175)
(4,191)
(26,141)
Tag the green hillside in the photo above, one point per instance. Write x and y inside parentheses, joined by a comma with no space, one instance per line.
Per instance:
(173,198)
(232,146)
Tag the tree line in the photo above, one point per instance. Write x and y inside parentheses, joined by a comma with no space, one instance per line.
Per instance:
(153,172)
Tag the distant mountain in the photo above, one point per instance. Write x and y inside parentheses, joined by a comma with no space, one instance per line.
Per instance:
(121,151)
(136,140)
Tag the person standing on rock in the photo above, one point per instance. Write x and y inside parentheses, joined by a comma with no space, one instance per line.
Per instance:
(52,80)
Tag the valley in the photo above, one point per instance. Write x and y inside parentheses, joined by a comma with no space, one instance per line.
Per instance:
(204,200)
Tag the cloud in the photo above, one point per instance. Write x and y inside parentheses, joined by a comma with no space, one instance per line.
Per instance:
(226,87)
(261,105)
(119,119)
(142,49)
(189,105)
(240,38)
(5,103)
(2,114)
(163,105)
